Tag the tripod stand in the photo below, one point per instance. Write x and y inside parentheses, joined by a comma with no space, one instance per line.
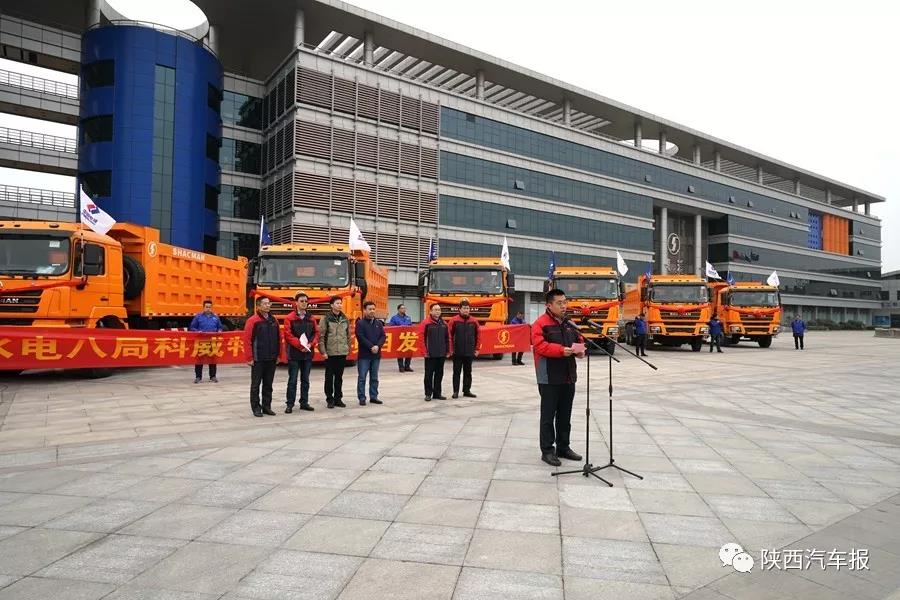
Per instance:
(589,469)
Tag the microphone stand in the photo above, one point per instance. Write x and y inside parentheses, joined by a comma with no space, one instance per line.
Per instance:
(612,461)
(589,469)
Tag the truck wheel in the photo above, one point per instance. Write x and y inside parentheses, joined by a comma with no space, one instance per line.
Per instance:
(8,373)
(696,344)
(765,341)
(629,335)
(135,277)
(733,340)
(497,357)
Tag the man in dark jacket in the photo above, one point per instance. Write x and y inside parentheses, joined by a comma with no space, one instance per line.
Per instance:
(640,335)
(436,340)
(552,338)
(464,347)
(334,346)
(715,333)
(207,322)
(301,334)
(799,328)
(370,339)
(399,320)
(519,319)
(262,343)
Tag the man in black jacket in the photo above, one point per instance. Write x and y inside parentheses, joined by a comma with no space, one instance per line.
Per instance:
(436,339)
(262,343)
(464,346)
(370,338)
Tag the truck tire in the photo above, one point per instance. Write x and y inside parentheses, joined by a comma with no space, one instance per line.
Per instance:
(765,341)
(733,340)
(135,277)
(8,373)
(629,335)
(497,357)
(696,344)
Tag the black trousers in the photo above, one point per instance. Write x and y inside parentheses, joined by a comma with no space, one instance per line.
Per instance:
(640,343)
(798,341)
(717,340)
(403,363)
(434,375)
(462,364)
(262,373)
(517,357)
(198,371)
(556,415)
(334,378)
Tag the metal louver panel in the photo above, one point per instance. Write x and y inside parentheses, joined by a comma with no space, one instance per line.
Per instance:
(314,87)
(431,117)
(410,112)
(409,158)
(387,202)
(408,251)
(428,207)
(389,109)
(288,141)
(313,139)
(368,101)
(366,197)
(409,205)
(344,146)
(344,95)
(388,155)
(429,164)
(386,249)
(342,195)
(311,191)
(367,150)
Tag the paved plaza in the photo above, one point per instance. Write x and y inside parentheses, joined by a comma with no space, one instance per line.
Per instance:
(145,486)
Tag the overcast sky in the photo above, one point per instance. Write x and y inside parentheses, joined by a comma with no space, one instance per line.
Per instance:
(811,83)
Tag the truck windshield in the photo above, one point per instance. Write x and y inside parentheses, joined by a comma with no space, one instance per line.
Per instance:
(678,293)
(754,298)
(587,287)
(315,271)
(466,281)
(22,254)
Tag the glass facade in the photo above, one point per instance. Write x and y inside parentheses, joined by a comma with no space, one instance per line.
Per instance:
(811,287)
(163,151)
(758,230)
(476,172)
(232,245)
(239,202)
(240,156)
(98,74)
(241,110)
(780,259)
(487,216)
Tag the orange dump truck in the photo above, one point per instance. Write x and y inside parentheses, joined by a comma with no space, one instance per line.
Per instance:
(676,308)
(484,282)
(66,275)
(320,271)
(748,310)
(594,293)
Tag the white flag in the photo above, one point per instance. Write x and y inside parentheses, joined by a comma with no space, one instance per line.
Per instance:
(711,272)
(93,216)
(357,241)
(773,279)
(504,255)
(620,264)
(304,341)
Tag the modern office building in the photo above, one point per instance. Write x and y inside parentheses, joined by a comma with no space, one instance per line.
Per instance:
(326,111)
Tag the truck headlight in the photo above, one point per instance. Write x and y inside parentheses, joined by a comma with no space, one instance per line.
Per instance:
(777,329)
(735,329)
(655,329)
(612,331)
(704,330)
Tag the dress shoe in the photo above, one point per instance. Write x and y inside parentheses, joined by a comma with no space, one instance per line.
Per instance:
(440,397)
(288,410)
(409,369)
(455,395)
(269,411)
(197,380)
(362,402)
(568,454)
(375,401)
(257,414)
(306,407)
(213,380)
(330,404)
(550,459)
(340,404)
(469,395)
(427,398)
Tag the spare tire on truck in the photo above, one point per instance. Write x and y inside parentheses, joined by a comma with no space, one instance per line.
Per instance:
(135,277)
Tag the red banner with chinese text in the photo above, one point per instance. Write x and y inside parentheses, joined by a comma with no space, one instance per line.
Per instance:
(23,348)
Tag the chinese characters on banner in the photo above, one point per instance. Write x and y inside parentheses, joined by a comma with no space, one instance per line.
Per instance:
(24,348)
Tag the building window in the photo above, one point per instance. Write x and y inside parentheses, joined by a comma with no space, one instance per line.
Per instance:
(240,156)
(232,245)
(212,148)
(98,74)
(239,202)
(97,183)
(163,151)
(214,98)
(241,110)
(211,199)
(97,129)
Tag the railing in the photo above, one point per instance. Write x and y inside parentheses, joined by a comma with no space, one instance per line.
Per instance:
(47,86)
(37,140)
(25,195)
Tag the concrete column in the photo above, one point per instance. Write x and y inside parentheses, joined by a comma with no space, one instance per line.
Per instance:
(479,84)
(698,245)
(662,142)
(638,135)
(92,13)
(698,157)
(369,49)
(299,28)
(717,160)
(855,205)
(663,245)
(797,187)
(567,112)
(212,39)
(867,207)
(759,174)
(827,195)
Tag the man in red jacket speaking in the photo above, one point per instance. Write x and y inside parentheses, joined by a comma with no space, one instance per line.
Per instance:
(556,343)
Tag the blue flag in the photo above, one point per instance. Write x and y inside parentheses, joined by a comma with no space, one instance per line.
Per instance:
(729,279)
(264,238)
(649,272)
(552,266)
(432,251)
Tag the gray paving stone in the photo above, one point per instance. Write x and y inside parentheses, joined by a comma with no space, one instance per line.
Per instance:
(160,489)
(611,559)
(666,502)
(404,464)
(606,524)
(749,508)
(256,528)
(470,453)
(8,531)
(34,588)
(347,460)
(34,549)
(37,480)
(326,478)
(97,484)
(433,451)
(515,472)
(115,559)
(685,531)
(463,469)
(295,499)
(36,509)
(399,580)
(366,505)
(424,543)
(582,588)
(451,512)
(338,535)
(148,465)
(227,494)
(204,469)
(803,489)
(515,551)
(534,518)
(238,454)
(755,535)
(696,465)
(454,487)
(816,514)
(266,472)
(178,521)
(489,584)
(387,483)
(524,491)
(298,576)
(103,516)
(690,566)
(738,485)
(597,496)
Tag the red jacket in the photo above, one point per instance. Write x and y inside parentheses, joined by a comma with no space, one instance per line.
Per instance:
(550,338)
(294,327)
(464,335)
(262,338)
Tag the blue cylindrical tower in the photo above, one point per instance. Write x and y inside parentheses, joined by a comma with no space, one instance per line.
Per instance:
(150,130)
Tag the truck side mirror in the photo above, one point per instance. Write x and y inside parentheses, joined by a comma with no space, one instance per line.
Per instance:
(93,259)
(621,291)
(643,294)
(423,283)
(510,283)
(548,285)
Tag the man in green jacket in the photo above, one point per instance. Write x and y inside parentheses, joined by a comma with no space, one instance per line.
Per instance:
(334,346)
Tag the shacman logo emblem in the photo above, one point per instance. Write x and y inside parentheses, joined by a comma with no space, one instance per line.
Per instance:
(503,336)
(92,208)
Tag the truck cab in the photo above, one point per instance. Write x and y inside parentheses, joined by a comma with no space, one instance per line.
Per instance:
(748,310)
(676,308)
(594,294)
